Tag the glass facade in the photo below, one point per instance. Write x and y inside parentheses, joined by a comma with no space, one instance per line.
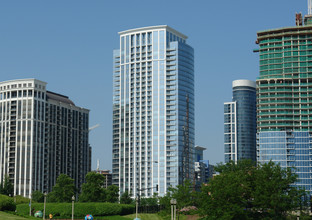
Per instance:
(153,110)
(289,149)
(240,122)
(284,99)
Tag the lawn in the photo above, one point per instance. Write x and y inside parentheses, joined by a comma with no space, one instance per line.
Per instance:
(132,216)
(145,216)
(153,217)
(6,216)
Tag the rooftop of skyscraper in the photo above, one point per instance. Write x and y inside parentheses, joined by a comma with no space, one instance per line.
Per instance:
(149,28)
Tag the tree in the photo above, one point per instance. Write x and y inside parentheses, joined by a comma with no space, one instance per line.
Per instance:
(273,191)
(184,194)
(247,191)
(37,196)
(112,193)
(63,190)
(6,187)
(164,201)
(92,190)
(125,198)
(152,201)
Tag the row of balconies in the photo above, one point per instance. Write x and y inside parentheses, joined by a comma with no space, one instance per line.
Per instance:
(283,119)
(277,85)
(284,90)
(284,101)
(270,112)
(284,107)
(283,96)
(290,125)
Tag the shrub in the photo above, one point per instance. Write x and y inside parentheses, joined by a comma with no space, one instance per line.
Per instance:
(7,203)
(21,200)
(189,210)
(64,210)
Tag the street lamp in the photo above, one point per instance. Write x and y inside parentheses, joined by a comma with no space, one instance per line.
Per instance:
(73,200)
(138,163)
(173,203)
(44,204)
(136,207)
(30,206)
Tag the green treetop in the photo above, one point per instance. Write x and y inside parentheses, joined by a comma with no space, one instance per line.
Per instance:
(247,191)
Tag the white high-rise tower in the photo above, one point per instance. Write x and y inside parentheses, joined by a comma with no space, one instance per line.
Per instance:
(153,110)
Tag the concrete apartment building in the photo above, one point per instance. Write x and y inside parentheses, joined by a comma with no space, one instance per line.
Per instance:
(42,134)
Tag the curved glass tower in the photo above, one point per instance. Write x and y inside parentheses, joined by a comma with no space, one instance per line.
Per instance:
(153,110)
(240,122)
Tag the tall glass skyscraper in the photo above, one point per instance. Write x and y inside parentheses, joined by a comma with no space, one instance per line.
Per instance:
(240,122)
(284,98)
(153,110)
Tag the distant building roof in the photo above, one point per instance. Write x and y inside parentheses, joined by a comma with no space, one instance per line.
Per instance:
(200,148)
(59,97)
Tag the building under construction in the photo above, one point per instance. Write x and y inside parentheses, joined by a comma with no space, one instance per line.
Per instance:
(284,98)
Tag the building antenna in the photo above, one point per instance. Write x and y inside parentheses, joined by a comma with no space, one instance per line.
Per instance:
(309,7)
(98,165)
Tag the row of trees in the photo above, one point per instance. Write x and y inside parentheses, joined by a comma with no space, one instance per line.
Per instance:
(242,190)
(92,190)
(247,191)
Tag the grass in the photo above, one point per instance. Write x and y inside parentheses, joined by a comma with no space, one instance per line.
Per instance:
(145,216)
(7,216)
(115,217)
(153,217)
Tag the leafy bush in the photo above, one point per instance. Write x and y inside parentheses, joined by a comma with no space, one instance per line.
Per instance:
(7,203)
(21,200)
(37,196)
(189,210)
(64,210)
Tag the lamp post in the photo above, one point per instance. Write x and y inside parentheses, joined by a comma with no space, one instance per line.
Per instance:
(73,201)
(30,206)
(136,207)
(44,204)
(139,190)
(173,203)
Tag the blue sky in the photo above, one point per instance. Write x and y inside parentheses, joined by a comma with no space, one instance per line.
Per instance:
(69,45)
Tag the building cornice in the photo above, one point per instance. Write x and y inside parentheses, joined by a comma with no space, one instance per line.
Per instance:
(150,28)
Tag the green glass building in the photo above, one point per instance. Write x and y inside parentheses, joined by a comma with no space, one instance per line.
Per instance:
(284,98)
(285,84)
